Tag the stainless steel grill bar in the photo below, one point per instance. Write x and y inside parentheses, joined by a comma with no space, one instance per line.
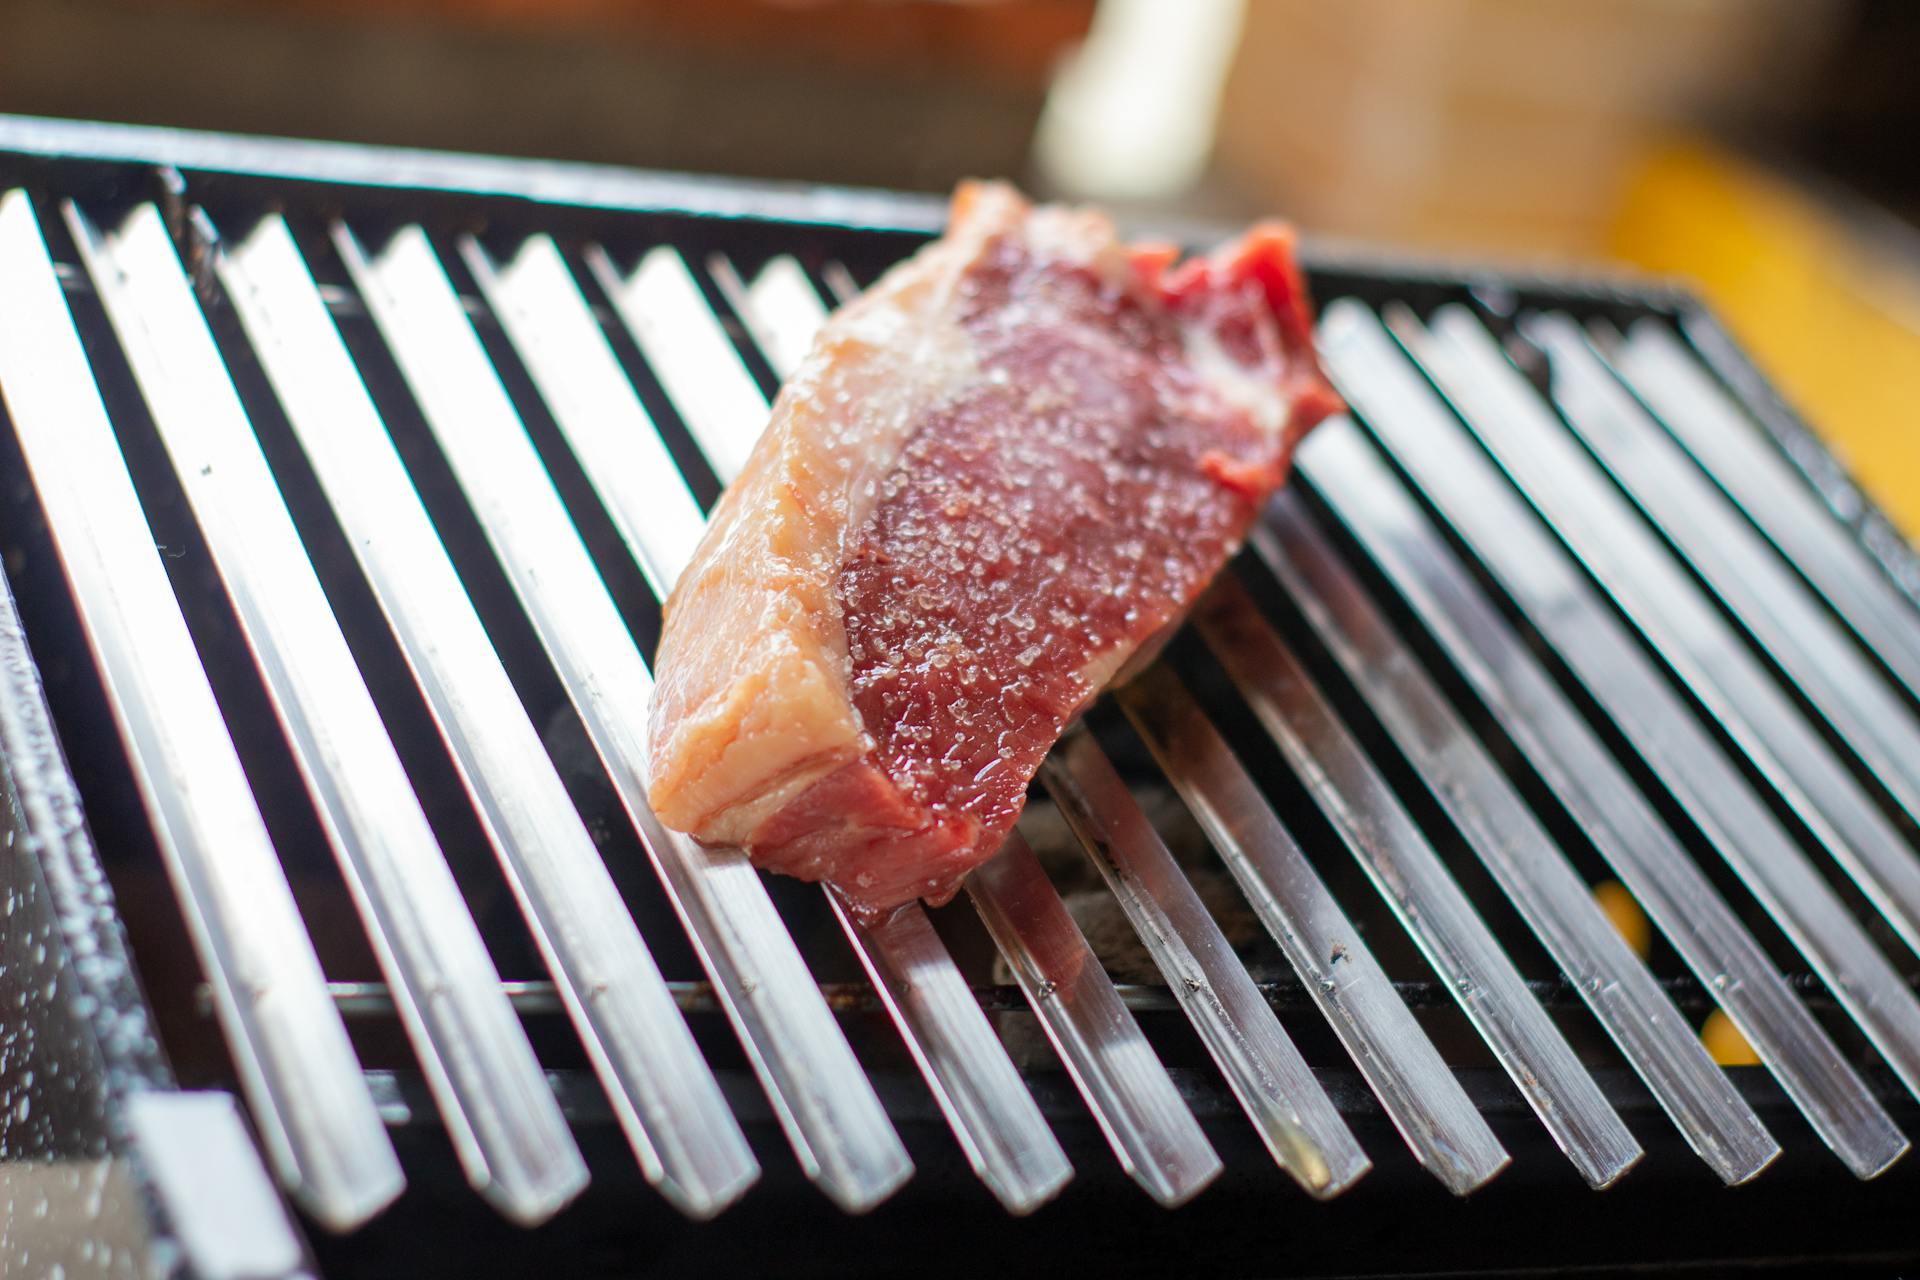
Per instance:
(833,1118)
(595,407)
(702,374)
(502,1117)
(1409,874)
(1655,1039)
(667,1103)
(1668,607)
(1135,1103)
(1774,603)
(781,308)
(971,1076)
(1657,364)
(309,1100)
(1286,1105)
(1409,417)
(1583,774)
(1413,1082)
(1273,1083)
(977,1087)
(696,995)
(841,285)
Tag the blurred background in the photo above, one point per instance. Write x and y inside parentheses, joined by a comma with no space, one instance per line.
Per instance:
(1766,150)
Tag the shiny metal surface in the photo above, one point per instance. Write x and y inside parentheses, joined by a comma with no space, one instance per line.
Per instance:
(1273,1083)
(1698,411)
(540,306)
(798,1052)
(1135,1103)
(1413,1082)
(203,1169)
(780,308)
(1774,603)
(837,1125)
(1410,875)
(702,373)
(969,1072)
(506,1127)
(1379,379)
(1650,1032)
(662,1093)
(978,1089)
(538,996)
(1623,826)
(321,1130)
(1669,608)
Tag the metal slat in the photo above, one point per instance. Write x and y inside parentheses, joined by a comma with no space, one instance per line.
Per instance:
(667,1102)
(1638,1015)
(1771,493)
(1616,816)
(505,1124)
(1417,1089)
(781,308)
(1668,607)
(1275,1087)
(974,1081)
(1774,603)
(702,373)
(1415,425)
(840,282)
(978,1089)
(835,1121)
(1410,875)
(307,1094)
(1134,1101)
(605,425)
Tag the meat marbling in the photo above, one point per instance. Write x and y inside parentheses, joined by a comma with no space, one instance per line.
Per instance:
(1003,470)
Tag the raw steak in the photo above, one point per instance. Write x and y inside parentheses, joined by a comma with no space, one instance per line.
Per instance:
(1002,471)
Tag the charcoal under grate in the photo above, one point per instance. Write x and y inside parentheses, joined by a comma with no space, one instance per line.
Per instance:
(343,488)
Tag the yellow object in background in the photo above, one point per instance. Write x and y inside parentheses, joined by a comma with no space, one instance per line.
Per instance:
(1625,914)
(1722,1039)
(1725,1043)
(1832,317)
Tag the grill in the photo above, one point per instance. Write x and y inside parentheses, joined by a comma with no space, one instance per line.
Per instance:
(342,486)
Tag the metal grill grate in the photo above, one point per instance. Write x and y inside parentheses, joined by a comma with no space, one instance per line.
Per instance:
(1547,607)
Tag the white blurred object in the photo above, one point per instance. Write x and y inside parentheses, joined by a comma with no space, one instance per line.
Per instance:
(1131,114)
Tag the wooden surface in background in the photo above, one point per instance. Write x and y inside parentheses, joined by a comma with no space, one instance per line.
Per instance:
(1011,39)
(893,93)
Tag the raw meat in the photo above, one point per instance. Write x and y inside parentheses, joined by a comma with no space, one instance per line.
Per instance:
(1003,470)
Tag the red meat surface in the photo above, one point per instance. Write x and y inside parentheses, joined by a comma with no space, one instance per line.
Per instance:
(1085,433)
